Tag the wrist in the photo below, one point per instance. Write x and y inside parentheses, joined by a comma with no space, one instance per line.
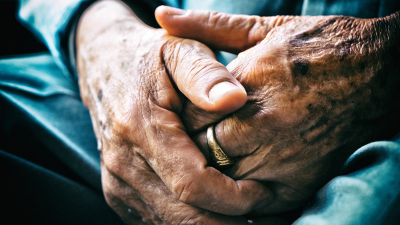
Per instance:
(101,16)
(102,30)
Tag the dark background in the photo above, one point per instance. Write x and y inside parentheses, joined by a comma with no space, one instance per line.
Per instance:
(15,39)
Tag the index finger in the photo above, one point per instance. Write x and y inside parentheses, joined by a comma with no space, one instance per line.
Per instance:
(228,32)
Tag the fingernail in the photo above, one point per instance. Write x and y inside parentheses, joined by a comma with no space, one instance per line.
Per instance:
(174,11)
(221,89)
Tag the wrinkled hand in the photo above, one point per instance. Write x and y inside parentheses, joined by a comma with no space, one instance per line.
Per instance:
(152,172)
(318,88)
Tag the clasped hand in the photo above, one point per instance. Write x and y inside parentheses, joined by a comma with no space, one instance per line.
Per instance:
(318,89)
(306,85)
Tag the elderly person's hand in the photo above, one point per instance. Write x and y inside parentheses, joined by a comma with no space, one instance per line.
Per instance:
(152,172)
(318,88)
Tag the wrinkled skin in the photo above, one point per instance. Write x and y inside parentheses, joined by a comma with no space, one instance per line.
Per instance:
(318,89)
(152,172)
(293,134)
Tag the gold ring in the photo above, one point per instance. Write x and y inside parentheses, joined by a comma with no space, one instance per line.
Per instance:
(218,157)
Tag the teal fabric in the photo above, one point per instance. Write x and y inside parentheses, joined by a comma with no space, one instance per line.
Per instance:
(257,7)
(50,21)
(35,92)
(356,8)
(368,192)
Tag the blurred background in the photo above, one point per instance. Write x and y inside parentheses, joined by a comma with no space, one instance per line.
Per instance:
(15,39)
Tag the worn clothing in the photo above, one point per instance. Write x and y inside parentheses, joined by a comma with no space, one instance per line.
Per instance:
(51,167)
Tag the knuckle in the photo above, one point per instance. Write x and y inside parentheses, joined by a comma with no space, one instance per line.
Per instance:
(121,123)
(115,162)
(110,189)
(195,73)
(198,218)
(122,115)
(214,18)
(111,163)
(278,21)
(200,71)
(110,199)
(257,30)
(224,21)
(121,207)
(122,162)
(186,190)
(170,53)
(124,126)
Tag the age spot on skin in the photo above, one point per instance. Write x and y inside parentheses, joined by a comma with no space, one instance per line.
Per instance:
(299,40)
(310,107)
(344,51)
(302,65)
(100,95)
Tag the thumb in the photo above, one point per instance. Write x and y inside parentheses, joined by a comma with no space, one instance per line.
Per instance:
(201,78)
(228,32)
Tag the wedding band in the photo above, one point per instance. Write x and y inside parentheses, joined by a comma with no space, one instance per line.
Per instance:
(218,157)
